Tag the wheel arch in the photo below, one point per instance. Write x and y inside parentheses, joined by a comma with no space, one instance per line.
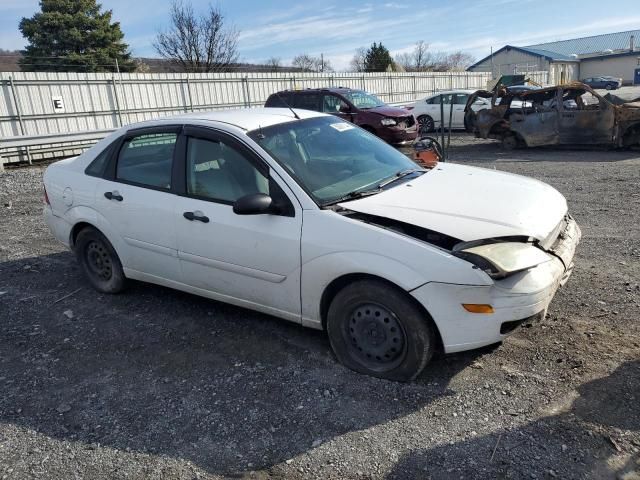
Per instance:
(76,229)
(332,289)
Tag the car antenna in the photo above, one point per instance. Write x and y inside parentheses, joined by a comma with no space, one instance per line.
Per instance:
(288,106)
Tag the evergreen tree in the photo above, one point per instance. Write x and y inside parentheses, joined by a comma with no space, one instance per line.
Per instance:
(377,58)
(73,36)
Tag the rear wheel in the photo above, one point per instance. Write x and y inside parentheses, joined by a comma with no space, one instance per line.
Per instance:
(376,330)
(425,123)
(99,261)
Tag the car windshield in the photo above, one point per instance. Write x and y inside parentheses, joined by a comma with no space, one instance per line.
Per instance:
(363,100)
(332,159)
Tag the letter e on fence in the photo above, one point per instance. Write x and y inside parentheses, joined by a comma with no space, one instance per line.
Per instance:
(58,104)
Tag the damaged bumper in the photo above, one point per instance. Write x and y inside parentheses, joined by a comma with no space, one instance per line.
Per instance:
(518,298)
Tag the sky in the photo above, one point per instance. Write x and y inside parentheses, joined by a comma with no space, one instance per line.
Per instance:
(336,28)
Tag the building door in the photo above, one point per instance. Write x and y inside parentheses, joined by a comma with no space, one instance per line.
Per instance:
(636,77)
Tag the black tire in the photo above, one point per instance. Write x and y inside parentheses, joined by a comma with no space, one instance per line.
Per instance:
(375,329)
(510,142)
(99,261)
(425,124)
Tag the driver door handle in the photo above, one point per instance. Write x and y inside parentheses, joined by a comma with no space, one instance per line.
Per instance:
(113,196)
(196,216)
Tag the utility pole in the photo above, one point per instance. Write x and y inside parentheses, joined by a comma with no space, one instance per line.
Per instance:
(322,62)
(492,74)
(117,67)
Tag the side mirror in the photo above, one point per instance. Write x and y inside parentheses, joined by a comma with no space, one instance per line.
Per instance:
(254,204)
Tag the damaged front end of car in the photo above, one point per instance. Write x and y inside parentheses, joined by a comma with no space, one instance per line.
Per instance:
(498,257)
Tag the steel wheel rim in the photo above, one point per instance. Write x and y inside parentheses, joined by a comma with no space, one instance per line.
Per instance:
(376,337)
(98,259)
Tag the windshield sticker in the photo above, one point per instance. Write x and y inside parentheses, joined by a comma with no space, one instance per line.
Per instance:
(341,127)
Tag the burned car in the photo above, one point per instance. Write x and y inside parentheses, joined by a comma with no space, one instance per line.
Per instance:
(571,114)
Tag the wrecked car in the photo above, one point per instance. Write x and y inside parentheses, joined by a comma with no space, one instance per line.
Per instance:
(307,217)
(571,114)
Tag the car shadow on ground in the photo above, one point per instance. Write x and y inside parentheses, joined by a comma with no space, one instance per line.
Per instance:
(159,371)
(559,439)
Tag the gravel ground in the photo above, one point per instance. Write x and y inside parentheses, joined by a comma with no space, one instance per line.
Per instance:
(155,383)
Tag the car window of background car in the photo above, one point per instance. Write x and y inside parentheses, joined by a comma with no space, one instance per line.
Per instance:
(217,171)
(332,103)
(363,100)
(460,98)
(446,99)
(331,157)
(307,101)
(147,160)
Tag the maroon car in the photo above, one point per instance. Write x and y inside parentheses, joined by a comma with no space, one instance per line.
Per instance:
(392,124)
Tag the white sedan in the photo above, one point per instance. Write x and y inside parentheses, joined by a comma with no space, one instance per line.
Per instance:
(307,217)
(427,110)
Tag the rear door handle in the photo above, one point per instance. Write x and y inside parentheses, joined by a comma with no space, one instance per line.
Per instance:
(113,196)
(196,216)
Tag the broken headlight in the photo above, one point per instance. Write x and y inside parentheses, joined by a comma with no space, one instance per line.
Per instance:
(502,259)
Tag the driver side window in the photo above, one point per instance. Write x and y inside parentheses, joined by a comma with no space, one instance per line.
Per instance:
(218,171)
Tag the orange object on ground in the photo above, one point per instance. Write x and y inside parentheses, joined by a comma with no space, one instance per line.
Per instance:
(427,152)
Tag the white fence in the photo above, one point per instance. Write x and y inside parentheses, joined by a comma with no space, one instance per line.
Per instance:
(52,103)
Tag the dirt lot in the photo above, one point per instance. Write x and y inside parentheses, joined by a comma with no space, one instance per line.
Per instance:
(156,383)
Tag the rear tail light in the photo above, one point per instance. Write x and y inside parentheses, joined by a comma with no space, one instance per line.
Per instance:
(46,197)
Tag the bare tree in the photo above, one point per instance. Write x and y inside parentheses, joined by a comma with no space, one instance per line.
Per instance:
(359,60)
(421,56)
(459,61)
(310,63)
(273,64)
(406,60)
(198,43)
(304,62)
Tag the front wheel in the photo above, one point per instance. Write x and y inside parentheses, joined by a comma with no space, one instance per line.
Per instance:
(99,261)
(426,124)
(377,330)
(609,86)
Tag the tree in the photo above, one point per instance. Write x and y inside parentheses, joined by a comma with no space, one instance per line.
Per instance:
(377,58)
(274,64)
(459,61)
(419,60)
(73,36)
(309,63)
(358,62)
(195,43)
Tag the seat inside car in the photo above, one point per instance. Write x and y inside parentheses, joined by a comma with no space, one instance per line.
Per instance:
(217,171)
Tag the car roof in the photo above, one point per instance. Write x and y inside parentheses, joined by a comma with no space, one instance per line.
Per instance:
(446,92)
(249,118)
(323,89)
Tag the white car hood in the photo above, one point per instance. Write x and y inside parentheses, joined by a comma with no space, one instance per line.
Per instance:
(470,203)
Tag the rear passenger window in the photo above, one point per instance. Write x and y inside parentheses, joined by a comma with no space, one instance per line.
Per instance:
(307,101)
(97,166)
(147,160)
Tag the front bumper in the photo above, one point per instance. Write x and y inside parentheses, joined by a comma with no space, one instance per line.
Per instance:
(519,297)
(397,135)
